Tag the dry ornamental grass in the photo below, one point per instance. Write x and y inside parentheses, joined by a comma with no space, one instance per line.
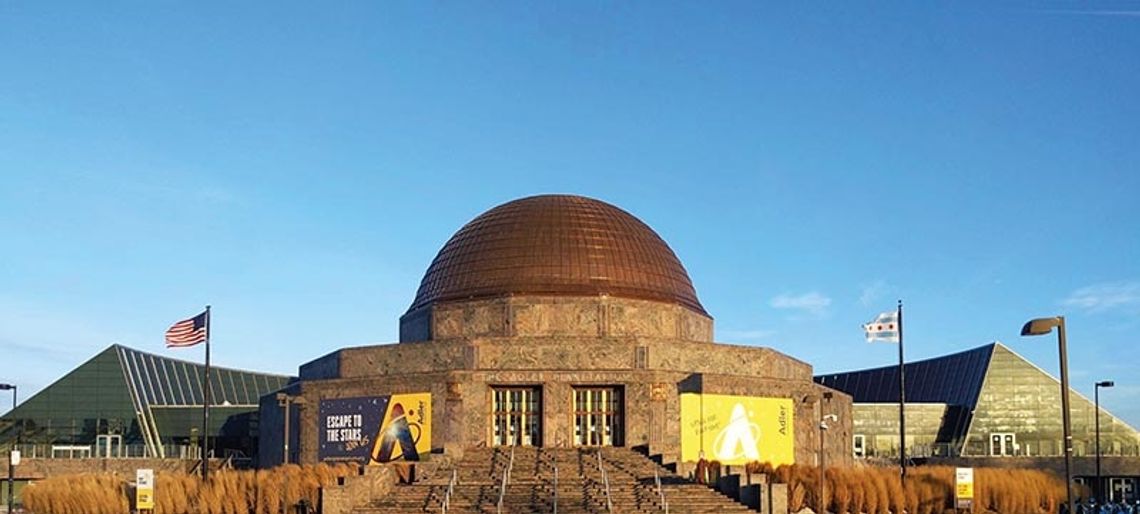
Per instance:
(860,489)
(228,491)
(929,489)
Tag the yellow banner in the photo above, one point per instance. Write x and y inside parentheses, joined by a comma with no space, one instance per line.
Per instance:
(737,429)
(405,432)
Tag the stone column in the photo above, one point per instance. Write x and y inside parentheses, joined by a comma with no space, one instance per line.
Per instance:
(557,415)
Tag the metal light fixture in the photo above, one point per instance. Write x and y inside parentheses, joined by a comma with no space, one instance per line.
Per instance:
(1042,326)
(11,454)
(1096,395)
(823,419)
(284,400)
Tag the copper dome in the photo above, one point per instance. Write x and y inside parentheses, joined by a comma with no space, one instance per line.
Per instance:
(556,245)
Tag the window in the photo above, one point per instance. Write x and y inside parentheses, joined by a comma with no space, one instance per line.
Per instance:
(859,443)
(516,416)
(1003,445)
(598,416)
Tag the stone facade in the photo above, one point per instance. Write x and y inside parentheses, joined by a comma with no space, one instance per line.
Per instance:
(554,316)
(652,352)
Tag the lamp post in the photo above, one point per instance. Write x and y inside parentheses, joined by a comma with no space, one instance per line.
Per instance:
(11,454)
(1042,326)
(1096,396)
(822,452)
(284,400)
(823,467)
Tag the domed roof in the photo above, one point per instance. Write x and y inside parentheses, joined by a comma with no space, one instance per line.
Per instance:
(556,245)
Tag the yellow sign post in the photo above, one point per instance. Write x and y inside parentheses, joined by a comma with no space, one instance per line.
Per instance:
(737,429)
(964,488)
(144,489)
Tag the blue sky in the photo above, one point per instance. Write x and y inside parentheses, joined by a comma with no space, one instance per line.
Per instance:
(297,166)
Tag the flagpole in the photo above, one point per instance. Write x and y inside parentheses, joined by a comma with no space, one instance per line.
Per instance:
(206,407)
(902,399)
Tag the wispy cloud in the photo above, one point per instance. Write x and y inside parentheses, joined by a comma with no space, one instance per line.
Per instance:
(746,335)
(813,303)
(205,195)
(873,292)
(1105,297)
(32,334)
(1101,12)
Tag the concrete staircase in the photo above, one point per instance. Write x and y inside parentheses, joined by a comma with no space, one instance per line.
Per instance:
(531,488)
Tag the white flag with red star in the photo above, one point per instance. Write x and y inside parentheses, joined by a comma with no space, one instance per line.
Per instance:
(885,327)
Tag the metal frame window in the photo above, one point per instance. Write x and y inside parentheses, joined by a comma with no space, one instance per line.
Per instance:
(1121,489)
(516,416)
(599,416)
(1003,444)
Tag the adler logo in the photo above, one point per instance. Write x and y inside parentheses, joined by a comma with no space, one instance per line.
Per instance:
(737,429)
(740,438)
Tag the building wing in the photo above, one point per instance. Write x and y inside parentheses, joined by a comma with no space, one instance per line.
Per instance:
(125,401)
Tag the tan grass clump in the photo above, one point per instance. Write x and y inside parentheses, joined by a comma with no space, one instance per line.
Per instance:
(228,491)
(928,490)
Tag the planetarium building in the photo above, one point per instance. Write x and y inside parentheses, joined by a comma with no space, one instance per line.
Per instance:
(555,321)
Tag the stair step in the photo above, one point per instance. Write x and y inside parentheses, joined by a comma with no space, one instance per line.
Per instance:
(531,487)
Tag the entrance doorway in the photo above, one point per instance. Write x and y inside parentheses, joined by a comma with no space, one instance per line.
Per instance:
(859,443)
(516,416)
(598,416)
(1003,445)
(108,446)
(1121,489)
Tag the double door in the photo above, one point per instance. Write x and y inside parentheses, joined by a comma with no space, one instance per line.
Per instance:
(109,446)
(1003,445)
(598,416)
(516,414)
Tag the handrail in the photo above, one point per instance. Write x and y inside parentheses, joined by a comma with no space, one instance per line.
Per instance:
(660,492)
(506,479)
(555,489)
(450,489)
(502,490)
(606,482)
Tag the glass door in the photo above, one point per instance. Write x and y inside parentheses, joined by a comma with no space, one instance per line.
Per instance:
(109,446)
(598,416)
(1002,445)
(516,414)
(859,442)
(1121,489)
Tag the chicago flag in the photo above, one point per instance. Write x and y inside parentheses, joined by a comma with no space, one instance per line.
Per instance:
(885,327)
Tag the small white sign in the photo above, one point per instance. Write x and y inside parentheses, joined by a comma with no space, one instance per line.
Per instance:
(144,489)
(144,478)
(15,457)
(964,488)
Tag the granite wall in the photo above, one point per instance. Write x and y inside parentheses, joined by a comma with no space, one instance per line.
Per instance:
(652,352)
(541,316)
(461,406)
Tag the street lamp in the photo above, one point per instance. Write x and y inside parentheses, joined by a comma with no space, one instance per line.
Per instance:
(11,454)
(827,395)
(1096,396)
(284,400)
(1042,326)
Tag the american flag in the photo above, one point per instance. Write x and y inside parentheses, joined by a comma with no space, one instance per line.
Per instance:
(187,332)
